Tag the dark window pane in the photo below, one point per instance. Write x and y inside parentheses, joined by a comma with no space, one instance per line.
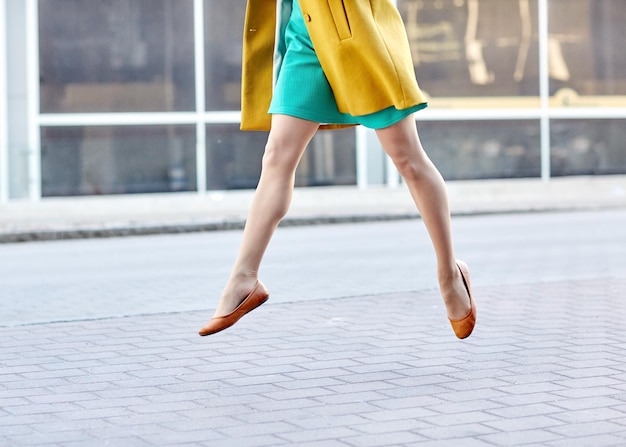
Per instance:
(116,55)
(585,147)
(329,160)
(483,149)
(117,160)
(234,158)
(223,43)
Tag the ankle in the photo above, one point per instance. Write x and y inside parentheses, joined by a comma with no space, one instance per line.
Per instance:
(240,282)
(241,276)
(447,275)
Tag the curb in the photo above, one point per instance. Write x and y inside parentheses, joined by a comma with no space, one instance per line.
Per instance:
(179,228)
(101,232)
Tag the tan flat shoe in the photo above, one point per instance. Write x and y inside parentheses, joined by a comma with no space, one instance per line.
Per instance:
(463,327)
(255,298)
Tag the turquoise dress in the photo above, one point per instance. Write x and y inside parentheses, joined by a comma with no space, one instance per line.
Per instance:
(302,89)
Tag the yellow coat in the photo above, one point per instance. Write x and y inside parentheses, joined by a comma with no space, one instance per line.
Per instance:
(361,44)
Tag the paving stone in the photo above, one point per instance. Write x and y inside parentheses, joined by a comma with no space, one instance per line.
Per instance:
(588,415)
(467,442)
(30,409)
(318,393)
(588,429)
(464,407)
(247,441)
(287,414)
(525,437)
(14,402)
(583,402)
(49,438)
(592,441)
(270,405)
(589,382)
(459,431)
(377,415)
(321,421)
(182,437)
(397,403)
(326,382)
(525,423)
(399,438)
(391,427)
(319,435)
(127,419)
(327,443)
(268,428)
(520,411)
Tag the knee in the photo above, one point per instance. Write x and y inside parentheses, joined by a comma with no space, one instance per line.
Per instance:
(410,168)
(277,157)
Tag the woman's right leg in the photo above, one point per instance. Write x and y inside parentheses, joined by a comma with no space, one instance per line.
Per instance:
(286,143)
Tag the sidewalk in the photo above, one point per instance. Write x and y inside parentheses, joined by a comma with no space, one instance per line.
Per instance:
(545,367)
(63,218)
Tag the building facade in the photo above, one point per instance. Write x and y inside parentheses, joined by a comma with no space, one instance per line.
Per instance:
(141,96)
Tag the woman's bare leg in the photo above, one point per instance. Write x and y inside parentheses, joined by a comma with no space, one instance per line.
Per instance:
(286,143)
(428,191)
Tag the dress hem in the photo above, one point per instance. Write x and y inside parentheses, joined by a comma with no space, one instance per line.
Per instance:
(350,120)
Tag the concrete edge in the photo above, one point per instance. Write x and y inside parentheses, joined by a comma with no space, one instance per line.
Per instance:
(130,229)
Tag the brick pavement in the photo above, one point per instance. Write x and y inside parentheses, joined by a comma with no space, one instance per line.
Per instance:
(544,367)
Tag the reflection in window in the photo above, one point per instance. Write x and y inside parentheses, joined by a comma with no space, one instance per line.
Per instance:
(474,47)
(587,41)
(483,149)
(588,147)
(234,158)
(330,159)
(116,55)
(117,160)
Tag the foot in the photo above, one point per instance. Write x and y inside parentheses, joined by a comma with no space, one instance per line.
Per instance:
(464,325)
(455,294)
(257,296)
(234,293)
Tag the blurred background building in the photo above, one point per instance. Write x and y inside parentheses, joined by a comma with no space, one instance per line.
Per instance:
(141,96)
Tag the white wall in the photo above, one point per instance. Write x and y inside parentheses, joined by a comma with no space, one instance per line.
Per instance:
(17,97)
(4,156)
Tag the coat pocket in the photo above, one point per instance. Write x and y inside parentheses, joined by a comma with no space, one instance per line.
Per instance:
(342,24)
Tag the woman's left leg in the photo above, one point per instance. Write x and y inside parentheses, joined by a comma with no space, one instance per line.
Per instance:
(428,190)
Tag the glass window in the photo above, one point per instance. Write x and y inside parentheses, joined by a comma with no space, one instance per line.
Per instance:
(329,160)
(116,55)
(586,51)
(587,147)
(117,160)
(223,46)
(483,149)
(469,48)
(234,158)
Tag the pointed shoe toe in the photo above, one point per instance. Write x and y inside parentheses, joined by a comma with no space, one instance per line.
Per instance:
(464,326)
(254,299)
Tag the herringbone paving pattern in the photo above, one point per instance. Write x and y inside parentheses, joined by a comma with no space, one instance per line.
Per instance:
(545,367)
